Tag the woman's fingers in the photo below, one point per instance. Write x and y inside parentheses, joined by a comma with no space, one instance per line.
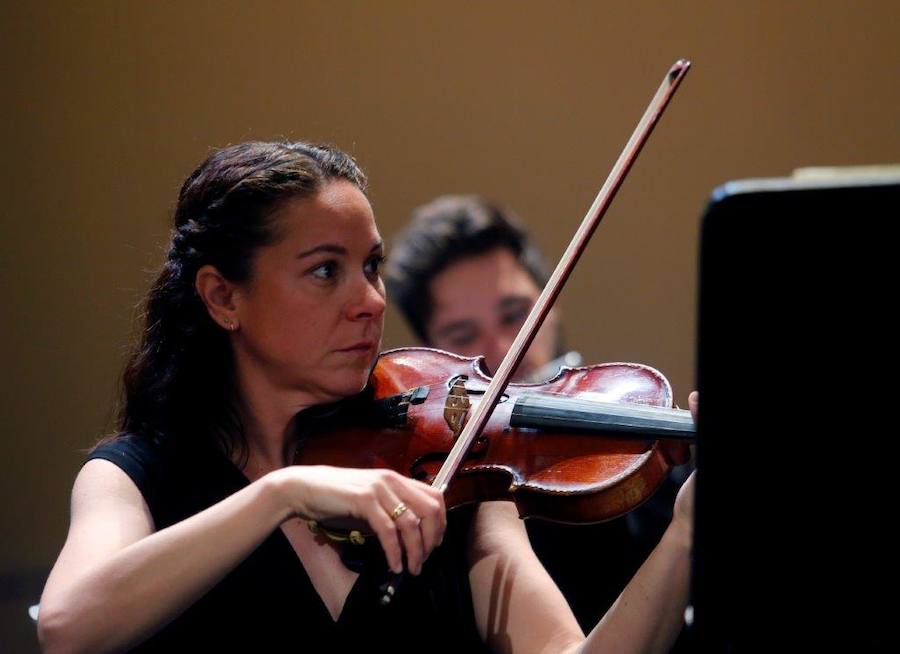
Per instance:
(411,534)
(388,535)
(407,516)
(427,503)
(418,514)
(404,528)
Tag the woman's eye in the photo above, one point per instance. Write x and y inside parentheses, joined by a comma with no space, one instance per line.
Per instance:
(325,270)
(373,265)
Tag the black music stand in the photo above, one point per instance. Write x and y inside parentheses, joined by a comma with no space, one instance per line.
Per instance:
(795,450)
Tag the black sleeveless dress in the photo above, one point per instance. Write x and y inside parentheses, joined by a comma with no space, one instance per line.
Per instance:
(267,602)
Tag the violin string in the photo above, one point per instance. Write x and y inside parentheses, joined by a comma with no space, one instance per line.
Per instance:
(432,409)
(444,384)
(556,394)
(564,395)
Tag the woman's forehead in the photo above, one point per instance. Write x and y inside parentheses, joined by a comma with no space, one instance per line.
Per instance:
(339,212)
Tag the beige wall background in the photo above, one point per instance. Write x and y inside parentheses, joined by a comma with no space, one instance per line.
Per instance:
(108,106)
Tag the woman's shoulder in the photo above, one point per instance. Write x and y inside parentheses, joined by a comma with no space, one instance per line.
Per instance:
(175,477)
(139,457)
(142,459)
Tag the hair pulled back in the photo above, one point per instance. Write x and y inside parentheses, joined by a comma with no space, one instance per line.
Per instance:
(179,379)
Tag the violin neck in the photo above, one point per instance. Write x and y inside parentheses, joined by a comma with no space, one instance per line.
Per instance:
(624,420)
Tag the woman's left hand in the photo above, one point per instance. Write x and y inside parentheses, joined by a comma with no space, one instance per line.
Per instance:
(683,513)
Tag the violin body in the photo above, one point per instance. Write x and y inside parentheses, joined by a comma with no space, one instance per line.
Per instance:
(571,476)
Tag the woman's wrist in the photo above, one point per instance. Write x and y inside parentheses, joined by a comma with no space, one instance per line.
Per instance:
(680,535)
(278,489)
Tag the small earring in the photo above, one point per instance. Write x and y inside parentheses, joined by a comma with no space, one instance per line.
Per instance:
(230,326)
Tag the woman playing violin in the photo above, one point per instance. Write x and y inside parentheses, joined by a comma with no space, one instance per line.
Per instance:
(189,526)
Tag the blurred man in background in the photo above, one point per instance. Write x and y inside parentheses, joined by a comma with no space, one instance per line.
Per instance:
(466,274)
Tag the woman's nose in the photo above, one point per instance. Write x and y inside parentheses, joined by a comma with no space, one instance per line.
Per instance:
(368,301)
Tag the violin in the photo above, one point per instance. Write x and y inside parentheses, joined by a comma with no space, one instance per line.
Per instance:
(587,445)
(489,439)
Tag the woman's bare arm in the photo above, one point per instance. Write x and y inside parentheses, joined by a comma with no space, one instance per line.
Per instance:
(519,608)
(117,580)
(649,613)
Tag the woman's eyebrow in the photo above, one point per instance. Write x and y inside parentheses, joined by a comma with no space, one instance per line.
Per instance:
(334,248)
(327,247)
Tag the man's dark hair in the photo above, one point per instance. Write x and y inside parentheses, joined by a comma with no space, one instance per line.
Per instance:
(443,232)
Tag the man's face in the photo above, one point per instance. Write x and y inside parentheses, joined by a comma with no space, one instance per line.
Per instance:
(478,306)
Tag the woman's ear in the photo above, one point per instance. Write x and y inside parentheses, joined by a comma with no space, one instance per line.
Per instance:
(217,293)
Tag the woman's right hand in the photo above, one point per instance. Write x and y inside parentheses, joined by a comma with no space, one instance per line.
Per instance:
(371,499)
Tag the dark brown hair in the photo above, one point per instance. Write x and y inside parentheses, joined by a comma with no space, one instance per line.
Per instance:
(443,232)
(179,378)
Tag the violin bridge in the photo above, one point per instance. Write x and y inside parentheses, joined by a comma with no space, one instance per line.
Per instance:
(456,409)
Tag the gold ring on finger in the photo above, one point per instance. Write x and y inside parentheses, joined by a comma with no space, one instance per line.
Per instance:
(398,511)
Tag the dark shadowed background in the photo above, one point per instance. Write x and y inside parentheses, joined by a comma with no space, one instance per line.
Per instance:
(107,106)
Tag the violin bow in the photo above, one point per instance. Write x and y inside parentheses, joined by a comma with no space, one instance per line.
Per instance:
(480,415)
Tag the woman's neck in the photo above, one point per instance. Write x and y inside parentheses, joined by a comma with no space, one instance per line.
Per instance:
(267,413)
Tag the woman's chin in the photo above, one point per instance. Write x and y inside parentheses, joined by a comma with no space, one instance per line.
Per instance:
(344,386)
